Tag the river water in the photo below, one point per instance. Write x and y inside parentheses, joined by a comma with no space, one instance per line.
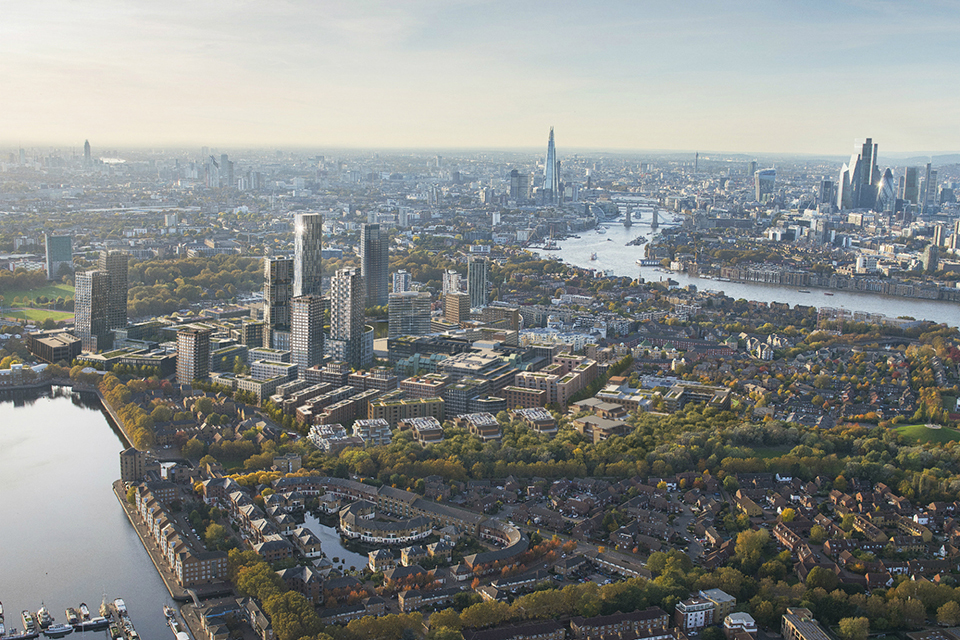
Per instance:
(613,256)
(65,538)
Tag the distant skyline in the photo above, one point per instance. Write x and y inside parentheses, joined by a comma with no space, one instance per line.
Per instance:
(750,77)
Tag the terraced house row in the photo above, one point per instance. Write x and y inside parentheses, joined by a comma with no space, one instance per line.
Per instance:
(191,565)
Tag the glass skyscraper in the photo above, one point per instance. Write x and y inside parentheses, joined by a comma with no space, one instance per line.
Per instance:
(551,174)
(307,251)
(374,263)
(59,254)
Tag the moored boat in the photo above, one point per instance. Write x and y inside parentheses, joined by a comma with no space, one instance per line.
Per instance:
(72,616)
(3,630)
(57,630)
(121,606)
(84,611)
(94,624)
(29,624)
(44,619)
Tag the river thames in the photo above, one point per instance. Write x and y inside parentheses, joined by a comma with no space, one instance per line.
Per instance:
(615,257)
(65,537)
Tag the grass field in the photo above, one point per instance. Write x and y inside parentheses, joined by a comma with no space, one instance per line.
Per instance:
(37,315)
(921,433)
(51,290)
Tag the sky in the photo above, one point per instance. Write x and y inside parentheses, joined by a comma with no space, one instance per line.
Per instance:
(806,76)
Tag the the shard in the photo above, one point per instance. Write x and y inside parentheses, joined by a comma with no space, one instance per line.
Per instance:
(551,174)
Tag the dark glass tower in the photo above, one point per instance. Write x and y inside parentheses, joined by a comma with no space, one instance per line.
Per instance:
(374,263)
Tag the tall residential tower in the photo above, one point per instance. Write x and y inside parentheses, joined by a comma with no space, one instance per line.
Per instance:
(306,331)
(346,316)
(91,302)
(374,263)
(114,263)
(307,251)
(277,292)
(477,282)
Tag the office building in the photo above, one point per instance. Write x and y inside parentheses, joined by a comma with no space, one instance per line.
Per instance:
(374,263)
(193,354)
(886,192)
(226,171)
(306,331)
(928,191)
(91,301)
(114,263)
(307,253)
(764,181)
(87,158)
(451,282)
(477,282)
(857,186)
(826,195)
(519,186)
(277,293)
(911,185)
(59,256)
(409,314)
(551,174)
(456,307)
(346,316)
(401,281)
(869,175)
(55,345)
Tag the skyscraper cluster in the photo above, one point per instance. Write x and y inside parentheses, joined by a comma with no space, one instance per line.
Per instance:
(101,301)
(293,302)
(862,185)
(859,179)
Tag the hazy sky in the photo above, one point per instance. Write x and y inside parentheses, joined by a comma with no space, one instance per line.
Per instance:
(804,76)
